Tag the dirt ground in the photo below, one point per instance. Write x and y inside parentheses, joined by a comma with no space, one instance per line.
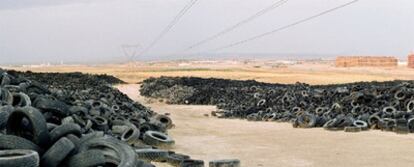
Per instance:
(311,73)
(271,144)
(266,144)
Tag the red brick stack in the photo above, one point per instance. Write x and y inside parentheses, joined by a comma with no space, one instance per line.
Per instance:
(366,61)
(411,60)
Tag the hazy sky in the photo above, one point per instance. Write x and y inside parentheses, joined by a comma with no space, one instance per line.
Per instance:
(33,31)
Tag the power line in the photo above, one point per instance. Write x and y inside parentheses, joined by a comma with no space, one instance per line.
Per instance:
(168,27)
(129,50)
(231,28)
(286,26)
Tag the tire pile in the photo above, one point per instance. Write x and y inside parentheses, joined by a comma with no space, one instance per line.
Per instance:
(193,90)
(78,120)
(354,107)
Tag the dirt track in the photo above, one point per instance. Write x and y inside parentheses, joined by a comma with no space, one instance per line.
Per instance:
(271,144)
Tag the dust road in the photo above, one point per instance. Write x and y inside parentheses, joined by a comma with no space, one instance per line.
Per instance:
(271,144)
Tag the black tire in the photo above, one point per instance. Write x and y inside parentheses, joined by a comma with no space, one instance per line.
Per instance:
(410,106)
(374,121)
(343,122)
(73,138)
(116,152)
(152,155)
(329,125)
(4,116)
(21,100)
(5,96)
(10,142)
(19,158)
(51,126)
(131,135)
(352,129)
(192,163)
(362,124)
(63,130)
(89,158)
(225,163)
(38,131)
(176,159)
(307,121)
(157,139)
(165,120)
(402,126)
(100,123)
(57,153)
(119,129)
(56,107)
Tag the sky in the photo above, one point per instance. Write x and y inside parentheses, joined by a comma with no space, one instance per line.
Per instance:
(94,31)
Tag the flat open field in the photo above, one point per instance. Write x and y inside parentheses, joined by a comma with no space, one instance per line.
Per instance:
(265,144)
(312,73)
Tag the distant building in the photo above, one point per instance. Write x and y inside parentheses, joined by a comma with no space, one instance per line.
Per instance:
(410,62)
(366,61)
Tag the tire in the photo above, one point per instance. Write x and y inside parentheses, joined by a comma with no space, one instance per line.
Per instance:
(410,106)
(307,121)
(374,121)
(157,139)
(119,129)
(410,123)
(100,123)
(4,116)
(10,142)
(89,158)
(21,100)
(329,125)
(165,120)
(47,105)
(352,129)
(67,120)
(5,96)
(116,152)
(389,124)
(51,126)
(64,130)
(176,159)
(57,153)
(19,158)
(362,124)
(402,126)
(40,134)
(73,138)
(152,155)
(192,163)
(131,135)
(225,163)
(343,122)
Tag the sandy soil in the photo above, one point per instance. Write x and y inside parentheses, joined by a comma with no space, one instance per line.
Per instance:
(271,144)
(312,73)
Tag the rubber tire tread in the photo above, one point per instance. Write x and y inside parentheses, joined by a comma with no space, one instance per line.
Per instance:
(26,158)
(63,130)
(89,158)
(150,139)
(39,128)
(11,142)
(57,153)
(150,155)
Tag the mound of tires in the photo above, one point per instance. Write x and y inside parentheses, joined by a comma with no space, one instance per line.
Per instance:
(77,120)
(193,90)
(352,107)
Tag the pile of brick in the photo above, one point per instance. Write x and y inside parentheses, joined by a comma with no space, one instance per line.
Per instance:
(366,61)
(411,60)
